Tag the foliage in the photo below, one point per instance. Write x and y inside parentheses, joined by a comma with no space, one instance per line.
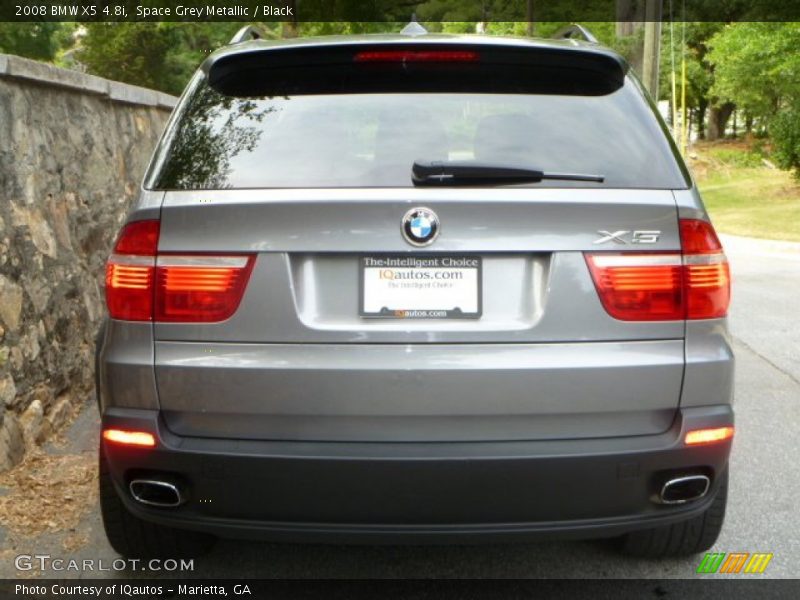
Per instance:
(130,52)
(193,42)
(156,55)
(785,132)
(757,65)
(314,28)
(460,11)
(32,40)
(65,38)
(689,40)
(514,11)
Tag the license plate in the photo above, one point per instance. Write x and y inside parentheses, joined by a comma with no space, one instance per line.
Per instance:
(420,287)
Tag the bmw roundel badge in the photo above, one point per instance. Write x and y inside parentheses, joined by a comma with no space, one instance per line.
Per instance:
(420,226)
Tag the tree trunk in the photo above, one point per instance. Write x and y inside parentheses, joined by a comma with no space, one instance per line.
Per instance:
(701,118)
(630,21)
(630,14)
(289,29)
(718,119)
(651,49)
(529,17)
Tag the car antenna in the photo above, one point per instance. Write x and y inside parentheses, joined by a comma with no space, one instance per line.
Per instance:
(413,28)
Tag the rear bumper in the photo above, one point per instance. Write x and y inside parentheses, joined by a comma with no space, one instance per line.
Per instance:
(417,492)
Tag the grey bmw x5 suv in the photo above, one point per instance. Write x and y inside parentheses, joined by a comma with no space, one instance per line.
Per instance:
(390,289)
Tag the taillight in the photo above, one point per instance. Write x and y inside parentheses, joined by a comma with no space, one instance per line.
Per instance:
(144,286)
(707,279)
(406,56)
(200,288)
(130,272)
(657,286)
(638,287)
(138,238)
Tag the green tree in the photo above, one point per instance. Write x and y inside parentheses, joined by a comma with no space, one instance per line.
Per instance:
(757,66)
(690,40)
(161,56)
(192,43)
(130,52)
(784,129)
(31,40)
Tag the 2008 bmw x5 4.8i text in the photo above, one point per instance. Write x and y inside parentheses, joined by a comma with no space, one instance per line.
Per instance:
(415,289)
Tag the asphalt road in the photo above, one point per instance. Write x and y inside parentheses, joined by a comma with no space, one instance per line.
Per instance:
(765,481)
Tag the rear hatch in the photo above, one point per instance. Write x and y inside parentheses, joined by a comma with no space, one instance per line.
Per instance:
(301,158)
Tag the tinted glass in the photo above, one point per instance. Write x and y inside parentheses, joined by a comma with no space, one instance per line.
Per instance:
(372,140)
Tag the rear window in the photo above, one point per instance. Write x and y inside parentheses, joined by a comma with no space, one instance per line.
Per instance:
(372,139)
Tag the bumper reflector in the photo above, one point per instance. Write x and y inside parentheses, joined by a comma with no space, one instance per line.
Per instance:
(129,438)
(708,436)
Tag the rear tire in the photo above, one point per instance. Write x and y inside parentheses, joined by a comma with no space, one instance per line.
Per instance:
(683,538)
(132,537)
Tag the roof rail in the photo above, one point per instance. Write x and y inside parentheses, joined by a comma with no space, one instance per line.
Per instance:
(248,33)
(575,31)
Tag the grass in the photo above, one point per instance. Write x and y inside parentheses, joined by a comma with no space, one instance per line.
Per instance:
(745,196)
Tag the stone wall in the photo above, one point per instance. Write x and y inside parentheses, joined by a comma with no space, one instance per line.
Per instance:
(73,150)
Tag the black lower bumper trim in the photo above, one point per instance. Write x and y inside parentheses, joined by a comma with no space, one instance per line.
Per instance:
(418,493)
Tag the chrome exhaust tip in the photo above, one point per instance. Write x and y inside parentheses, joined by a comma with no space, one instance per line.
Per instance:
(681,490)
(156,493)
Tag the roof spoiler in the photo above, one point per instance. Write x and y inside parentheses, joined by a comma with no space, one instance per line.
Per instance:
(317,67)
(247,34)
(575,31)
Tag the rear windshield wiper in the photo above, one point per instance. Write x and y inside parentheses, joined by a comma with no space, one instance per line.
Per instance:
(455,173)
